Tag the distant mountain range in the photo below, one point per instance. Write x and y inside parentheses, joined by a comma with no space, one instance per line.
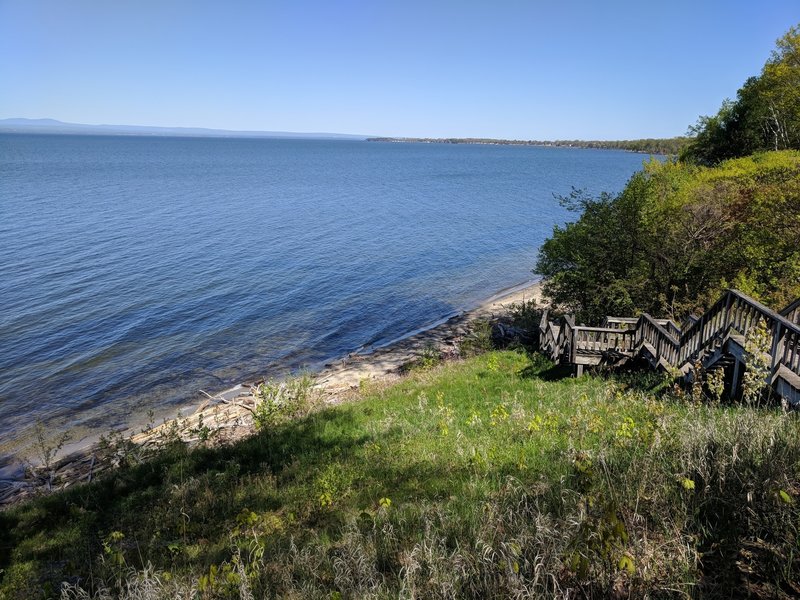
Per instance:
(59,127)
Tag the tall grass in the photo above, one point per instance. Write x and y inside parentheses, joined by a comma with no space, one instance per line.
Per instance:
(490,478)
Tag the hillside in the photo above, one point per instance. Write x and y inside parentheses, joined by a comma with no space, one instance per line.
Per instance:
(677,236)
(487,478)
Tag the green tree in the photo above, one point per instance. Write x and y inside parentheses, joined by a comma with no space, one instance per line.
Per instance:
(584,262)
(764,116)
(677,236)
(781,93)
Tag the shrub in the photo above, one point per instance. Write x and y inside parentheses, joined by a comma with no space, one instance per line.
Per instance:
(280,401)
(427,359)
(478,340)
(526,315)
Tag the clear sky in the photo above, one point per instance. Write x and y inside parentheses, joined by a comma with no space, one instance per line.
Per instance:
(565,69)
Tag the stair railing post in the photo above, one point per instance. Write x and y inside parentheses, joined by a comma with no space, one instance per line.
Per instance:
(775,349)
(728,300)
(703,331)
(735,379)
(543,327)
(573,351)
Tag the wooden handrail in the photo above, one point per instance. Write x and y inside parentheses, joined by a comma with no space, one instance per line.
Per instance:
(600,329)
(666,346)
(672,328)
(792,312)
(733,313)
(602,339)
(737,312)
(632,323)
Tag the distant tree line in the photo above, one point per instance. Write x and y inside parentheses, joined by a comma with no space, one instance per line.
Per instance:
(726,213)
(666,146)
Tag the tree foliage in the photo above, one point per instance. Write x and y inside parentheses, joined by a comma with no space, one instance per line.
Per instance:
(678,235)
(764,116)
(726,215)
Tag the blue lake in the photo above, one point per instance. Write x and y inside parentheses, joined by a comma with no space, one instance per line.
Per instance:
(136,271)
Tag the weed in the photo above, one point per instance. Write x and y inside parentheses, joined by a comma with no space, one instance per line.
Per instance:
(428,358)
(201,429)
(120,451)
(478,340)
(698,377)
(278,402)
(757,362)
(46,449)
(715,381)
(526,315)
(498,415)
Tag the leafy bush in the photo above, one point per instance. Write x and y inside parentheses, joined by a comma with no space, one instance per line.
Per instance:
(677,236)
(526,315)
(279,401)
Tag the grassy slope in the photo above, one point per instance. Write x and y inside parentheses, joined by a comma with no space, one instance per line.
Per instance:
(489,478)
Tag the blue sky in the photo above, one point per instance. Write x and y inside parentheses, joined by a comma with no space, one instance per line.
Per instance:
(507,69)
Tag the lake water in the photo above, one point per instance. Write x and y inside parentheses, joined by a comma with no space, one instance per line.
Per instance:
(136,271)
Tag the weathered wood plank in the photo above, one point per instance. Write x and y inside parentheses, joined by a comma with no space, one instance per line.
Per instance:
(720,331)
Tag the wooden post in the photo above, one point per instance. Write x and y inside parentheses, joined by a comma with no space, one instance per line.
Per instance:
(728,302)
(578,370)
(775,350)
(735,379)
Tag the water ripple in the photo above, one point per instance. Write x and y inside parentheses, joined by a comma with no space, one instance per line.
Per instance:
(136,271)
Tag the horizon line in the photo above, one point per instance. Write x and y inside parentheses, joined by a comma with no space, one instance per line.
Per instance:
(197,131)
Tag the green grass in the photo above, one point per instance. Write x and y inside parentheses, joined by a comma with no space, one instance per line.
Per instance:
(493,477)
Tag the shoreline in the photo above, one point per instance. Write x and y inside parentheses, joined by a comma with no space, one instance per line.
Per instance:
(384,362)
(228,413)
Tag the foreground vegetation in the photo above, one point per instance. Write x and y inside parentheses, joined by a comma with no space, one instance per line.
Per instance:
(489,478)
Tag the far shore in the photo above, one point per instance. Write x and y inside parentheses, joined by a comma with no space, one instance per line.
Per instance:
(228,414)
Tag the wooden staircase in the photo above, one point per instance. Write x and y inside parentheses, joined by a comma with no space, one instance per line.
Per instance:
(715,339)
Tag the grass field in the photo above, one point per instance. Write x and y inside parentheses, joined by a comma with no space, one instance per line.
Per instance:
(495,477)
